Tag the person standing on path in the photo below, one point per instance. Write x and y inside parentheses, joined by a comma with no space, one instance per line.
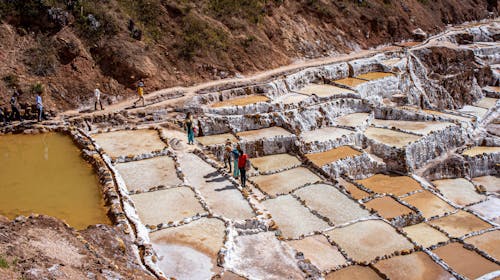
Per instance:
(227,155)
(243,166)
(140,92)
(236,155)
(189,127)
(39,106)
(97,96)
(14,107)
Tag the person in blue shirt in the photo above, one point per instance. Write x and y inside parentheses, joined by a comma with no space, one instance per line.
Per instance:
(236,155)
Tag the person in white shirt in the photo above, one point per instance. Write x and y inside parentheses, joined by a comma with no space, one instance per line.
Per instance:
(97,95)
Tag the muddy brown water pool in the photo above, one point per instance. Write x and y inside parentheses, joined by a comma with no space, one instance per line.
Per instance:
(45,174)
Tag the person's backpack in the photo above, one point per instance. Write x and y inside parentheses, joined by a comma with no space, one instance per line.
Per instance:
(248,164)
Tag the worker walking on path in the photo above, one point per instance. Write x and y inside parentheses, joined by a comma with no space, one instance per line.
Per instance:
(140,92)
(14,107)
(227,155)
(243,166)
(189,127)
(97,96)
(39,106)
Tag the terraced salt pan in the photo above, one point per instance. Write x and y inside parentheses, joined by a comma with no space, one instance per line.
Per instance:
(291,98)
(415,266)
(354,272)
(468,263)
(449,116)
(270,132)
(489,209)
(323,90)
(269,258)
(391,62)
(331,203)
(166,205)
(350,82)
(220,194)
(323,158)
(390,137)
(487,242)
(217,139)
(324,134)
(364,241)
(355,192)
(460,191)
(241,101)
(145,174)
(425,235)
(371,76)
(129,142)
(352,120)
(387,207)
(460,224)
(286,181)
(292,218)
(189,251)
(428,204)
(397,185)
(422,128)
(319,251)
(486,102)
(473,110)
(479,150)
(275,162)
(490,183)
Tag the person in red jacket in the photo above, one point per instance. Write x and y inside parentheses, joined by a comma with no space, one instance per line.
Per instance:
(243,165)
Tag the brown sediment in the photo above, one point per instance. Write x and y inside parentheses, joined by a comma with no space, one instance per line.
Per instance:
(397,185)
(460,224)
(355,192)
(241,101)
(354,272)
(466,262)
(275,162)
(374,76)
(415,266)
(429,204)
(320,159)
(350,82)
(217,139)
(387,207)
(319,251)
(487,242)
(475,151)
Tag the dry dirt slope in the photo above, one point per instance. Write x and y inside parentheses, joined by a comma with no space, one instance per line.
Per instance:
(70,45)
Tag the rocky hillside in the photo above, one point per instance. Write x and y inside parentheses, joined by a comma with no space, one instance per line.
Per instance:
(69,46)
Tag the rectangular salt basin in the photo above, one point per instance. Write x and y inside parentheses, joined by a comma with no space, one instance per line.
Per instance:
(390,137)
(241,101)
(323,90)
(487,242)
(319,251)
(460,224)
(422,128)
(479,150)
(324,134)
(286,181)
(258,134)
(291,98)
(388,208)
(425,235)
(429,204)
(216,139)
(371,76)
(352,120)
(460,191)
(490,183)
(415,266)
(129,142)
(486,102)
(353,272)
(275,162)
(350,82)
(473,110)
(45,174)
(323,158)
(397,185)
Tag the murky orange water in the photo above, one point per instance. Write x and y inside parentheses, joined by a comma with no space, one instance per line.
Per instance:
(241,101)
(45,174)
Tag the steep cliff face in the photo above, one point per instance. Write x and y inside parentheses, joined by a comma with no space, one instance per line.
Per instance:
(69,46)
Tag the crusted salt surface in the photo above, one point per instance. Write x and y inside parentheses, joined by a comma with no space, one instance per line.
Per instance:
(324,134)
(291,98)
(217,139)
(414,266)
(364,241)
(189,251)
(387,207)
(390,137)
(354,272)
(331,203)
(422,128)
(220,194)
(428,204)
(353,120)
(322,158)
(397,185)
(466,262)
(487,242)
(425,235)
(270,259)
(126,142)
(475,151)
(319,251)
(275,162)
(490,183)
(486,102)
(286,181)
(144,174)
(459,190)
(258,134)
(166,205)
(473,110)
(293,218)
(460,224)
(322,90)
(489,209)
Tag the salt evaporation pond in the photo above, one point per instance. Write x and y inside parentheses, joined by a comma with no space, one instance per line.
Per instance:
(45,174)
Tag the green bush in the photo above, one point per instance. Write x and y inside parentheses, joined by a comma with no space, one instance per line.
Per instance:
(145,13)
(107,25)
(3,263)
(42,59)
(198,34)
(250,10)
(37,88)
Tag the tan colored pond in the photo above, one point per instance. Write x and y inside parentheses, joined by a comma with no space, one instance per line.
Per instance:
(374,76)
(241,101)
(45,174)
(350,82)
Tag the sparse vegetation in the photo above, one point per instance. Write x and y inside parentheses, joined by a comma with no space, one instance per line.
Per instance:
(198,34)
(11,80)
(3,263)
(42,59)
(37,88)
(250,10)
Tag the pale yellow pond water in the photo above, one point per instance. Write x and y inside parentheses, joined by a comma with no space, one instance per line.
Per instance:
(45,174)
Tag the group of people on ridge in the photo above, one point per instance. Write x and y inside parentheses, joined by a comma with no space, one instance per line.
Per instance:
(15,113)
